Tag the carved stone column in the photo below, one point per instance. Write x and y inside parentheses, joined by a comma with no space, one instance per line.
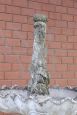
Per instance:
(38,70)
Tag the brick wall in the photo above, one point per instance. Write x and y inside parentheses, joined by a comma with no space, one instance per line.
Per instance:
(16,40)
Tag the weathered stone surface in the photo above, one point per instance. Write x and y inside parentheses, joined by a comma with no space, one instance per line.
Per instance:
(58,102)
(40,17)
(39,73)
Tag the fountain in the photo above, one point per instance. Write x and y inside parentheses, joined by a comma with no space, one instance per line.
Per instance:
(37,98)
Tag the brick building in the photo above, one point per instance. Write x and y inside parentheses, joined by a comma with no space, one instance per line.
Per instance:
(16,40)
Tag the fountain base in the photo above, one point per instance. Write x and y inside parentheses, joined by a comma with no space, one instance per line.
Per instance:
(58,102)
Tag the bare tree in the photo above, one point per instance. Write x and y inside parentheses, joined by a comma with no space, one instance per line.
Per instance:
(37,98)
